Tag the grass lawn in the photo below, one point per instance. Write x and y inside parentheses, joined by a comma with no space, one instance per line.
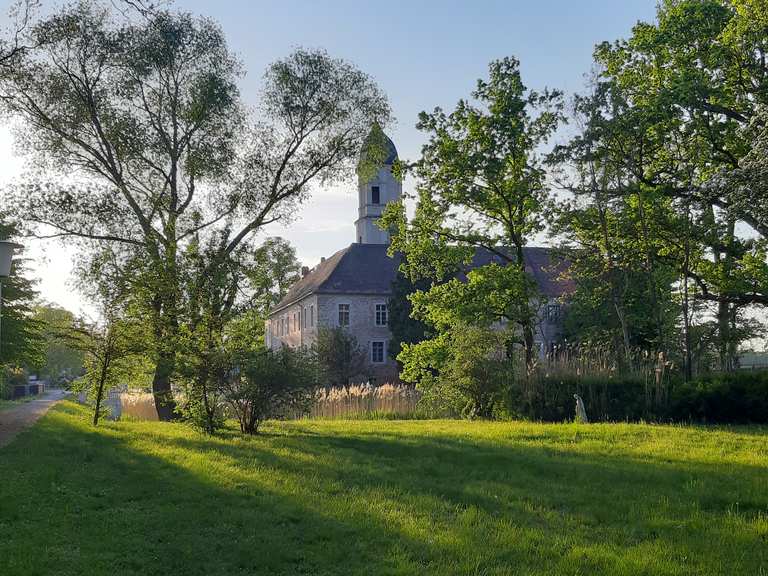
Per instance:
(383,497)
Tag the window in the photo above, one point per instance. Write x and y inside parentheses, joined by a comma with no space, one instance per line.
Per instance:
(375,195)
(553,312)
(381,314)
(312,315)
(343,314)
(295,323)
(305,317)
(377,352)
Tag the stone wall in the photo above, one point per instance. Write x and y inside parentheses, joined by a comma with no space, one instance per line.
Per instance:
(362,325)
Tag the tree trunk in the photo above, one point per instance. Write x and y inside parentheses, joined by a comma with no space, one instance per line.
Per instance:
(161,387)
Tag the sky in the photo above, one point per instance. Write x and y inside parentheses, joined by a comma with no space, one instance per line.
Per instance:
(422,53)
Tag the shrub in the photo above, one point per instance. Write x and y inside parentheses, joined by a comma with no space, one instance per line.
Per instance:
(476,376)
(271,384)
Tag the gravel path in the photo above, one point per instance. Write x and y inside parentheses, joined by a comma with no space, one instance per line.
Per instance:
(14,420)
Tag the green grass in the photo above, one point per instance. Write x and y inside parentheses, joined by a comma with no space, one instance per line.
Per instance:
(383,497)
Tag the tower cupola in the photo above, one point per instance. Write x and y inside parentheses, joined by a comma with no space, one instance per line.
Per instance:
(377,186)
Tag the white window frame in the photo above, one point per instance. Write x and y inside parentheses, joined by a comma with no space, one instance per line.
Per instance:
(347,310)
(383,352)
(384,312)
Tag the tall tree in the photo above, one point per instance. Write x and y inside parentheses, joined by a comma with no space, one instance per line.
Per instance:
(693,81)
(480,186)
(143,114)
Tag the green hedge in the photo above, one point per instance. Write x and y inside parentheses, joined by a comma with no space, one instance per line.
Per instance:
(735,398)
(738,398)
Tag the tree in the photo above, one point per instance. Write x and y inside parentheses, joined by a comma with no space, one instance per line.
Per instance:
(480,187)
(405,329)
(144,112)
(273,271)
(614,232)
(110,349)
(21,339)
(11,48)
(341,360)
(62,360)
(476,376)
(271,384)
(692,83)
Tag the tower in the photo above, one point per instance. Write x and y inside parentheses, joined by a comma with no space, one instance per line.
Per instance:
(375,193)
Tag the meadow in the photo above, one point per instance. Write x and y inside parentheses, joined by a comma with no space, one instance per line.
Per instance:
(332,497)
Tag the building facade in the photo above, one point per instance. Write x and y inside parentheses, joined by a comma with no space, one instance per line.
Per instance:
(351,289)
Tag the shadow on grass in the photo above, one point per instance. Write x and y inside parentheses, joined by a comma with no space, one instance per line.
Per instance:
(121,501)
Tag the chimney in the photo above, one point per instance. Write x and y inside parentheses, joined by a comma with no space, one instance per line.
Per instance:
(322,258)
(304,271)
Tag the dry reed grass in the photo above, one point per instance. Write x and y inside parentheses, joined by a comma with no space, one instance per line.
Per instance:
(365,400)
(138,406)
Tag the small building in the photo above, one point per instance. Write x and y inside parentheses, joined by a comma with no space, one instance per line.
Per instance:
(352,288)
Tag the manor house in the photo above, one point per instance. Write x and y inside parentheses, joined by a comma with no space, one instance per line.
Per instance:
(351,288)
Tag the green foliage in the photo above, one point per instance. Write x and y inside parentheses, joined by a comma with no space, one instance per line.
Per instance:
(271,384)
(405,329)
(480,187)
(112,352)
(465,371)
(21,338)
(341,360)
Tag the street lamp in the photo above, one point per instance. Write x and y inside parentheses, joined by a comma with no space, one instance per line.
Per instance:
(7,249)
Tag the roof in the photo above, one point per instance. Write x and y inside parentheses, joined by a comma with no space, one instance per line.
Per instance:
(357,269)
(367,269)
(376,137)
(540,262)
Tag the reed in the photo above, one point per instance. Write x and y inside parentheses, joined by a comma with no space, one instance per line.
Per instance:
(138,406)
(366,401)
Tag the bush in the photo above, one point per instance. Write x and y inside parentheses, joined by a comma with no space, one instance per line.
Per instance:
(271,384)
(475,379)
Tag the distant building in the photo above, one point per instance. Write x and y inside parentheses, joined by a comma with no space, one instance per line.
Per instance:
(352,288)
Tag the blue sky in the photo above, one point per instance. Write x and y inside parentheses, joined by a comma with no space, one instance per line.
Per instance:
(422,53)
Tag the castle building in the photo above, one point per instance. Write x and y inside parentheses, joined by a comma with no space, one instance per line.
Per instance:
(351,289)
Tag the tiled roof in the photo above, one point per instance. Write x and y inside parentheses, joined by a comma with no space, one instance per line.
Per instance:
(367,269)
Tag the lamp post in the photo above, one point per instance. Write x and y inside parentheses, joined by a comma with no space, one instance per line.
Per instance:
(6,256)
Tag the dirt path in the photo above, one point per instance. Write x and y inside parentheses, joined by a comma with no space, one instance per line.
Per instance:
(14,420)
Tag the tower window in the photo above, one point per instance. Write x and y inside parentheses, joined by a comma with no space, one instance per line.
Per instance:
(343,314)
(375,195)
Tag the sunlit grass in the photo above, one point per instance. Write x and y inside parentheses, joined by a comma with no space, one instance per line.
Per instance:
(383,497)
